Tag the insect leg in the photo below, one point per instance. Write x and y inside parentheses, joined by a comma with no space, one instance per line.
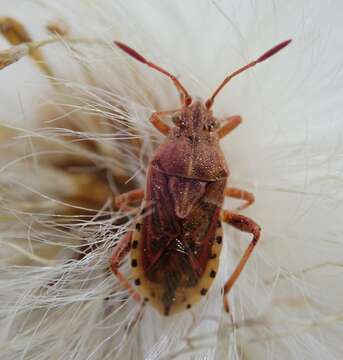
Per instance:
(245,224)
(247,196)
(119,253)
(122,201)
(158,123)
(228,125)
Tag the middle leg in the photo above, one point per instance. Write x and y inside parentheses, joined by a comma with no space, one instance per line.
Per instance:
(235,193)
(122,201)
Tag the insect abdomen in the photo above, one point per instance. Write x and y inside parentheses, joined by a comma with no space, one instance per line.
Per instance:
(160,292)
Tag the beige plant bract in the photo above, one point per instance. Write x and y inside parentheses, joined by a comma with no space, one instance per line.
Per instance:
(13,54)
(74,133)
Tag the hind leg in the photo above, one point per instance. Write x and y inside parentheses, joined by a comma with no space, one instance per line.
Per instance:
(123,246)
(244,224)
(119,253)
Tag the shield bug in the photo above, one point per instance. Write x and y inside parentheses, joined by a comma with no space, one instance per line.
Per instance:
(177,237)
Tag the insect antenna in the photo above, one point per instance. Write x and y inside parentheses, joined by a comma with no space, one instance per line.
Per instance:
(185,97)
(263,57)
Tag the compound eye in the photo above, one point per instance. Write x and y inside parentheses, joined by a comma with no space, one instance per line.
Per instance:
(211,126)
(178,121)
(175,119)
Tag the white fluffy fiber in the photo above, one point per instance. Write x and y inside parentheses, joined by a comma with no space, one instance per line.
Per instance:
(287,303)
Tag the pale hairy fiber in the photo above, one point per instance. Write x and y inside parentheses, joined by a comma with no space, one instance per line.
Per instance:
(74,133)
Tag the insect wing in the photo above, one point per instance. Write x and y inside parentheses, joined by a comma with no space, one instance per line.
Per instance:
(178,257)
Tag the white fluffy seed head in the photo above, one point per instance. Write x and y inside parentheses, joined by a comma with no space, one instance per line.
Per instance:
(287,303)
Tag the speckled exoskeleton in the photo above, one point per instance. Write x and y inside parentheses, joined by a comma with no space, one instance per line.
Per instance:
(177,236)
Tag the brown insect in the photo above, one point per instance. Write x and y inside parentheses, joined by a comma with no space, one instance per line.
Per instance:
(177,237)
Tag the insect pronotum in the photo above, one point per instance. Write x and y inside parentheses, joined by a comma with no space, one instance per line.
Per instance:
(177,237)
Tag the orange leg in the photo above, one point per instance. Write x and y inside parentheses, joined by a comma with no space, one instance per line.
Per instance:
(158,123)
(122,201)
(119,253)
(228,125)
(244,224)
(240,194)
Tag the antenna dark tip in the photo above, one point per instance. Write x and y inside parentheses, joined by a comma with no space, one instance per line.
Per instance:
(131,52)
(185,97)
(273,51)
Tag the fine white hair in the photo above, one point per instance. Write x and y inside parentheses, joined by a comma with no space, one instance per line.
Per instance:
(58,299)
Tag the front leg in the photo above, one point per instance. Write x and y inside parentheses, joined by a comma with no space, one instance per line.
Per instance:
(158,123)
(228,125)
(244,224)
